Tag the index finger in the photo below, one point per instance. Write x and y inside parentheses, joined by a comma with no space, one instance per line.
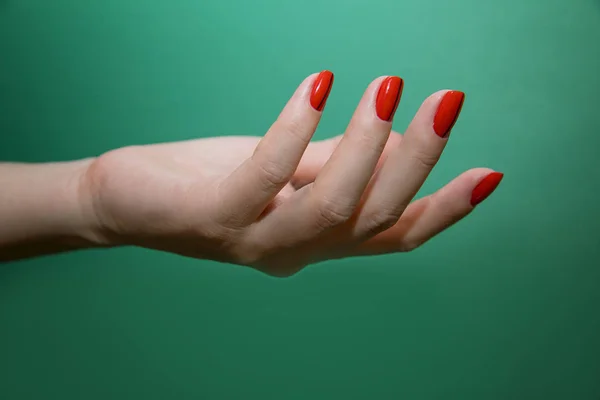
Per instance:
(246,193)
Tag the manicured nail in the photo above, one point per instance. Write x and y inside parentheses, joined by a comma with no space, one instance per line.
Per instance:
(321,89)
(388,97)
(485,187)
(447,112)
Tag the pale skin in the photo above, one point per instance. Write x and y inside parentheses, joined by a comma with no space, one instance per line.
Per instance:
(276,203)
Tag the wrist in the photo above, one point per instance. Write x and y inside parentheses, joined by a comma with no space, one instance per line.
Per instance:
(84,227)
(65,214)
(44,209)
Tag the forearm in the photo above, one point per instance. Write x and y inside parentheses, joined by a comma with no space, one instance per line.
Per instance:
(43,209)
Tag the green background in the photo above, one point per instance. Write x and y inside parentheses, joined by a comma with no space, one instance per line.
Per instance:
(505,305)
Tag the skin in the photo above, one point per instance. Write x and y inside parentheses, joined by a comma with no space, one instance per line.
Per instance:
(276,203)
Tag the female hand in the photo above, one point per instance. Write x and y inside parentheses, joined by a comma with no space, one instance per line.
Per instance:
(281,202)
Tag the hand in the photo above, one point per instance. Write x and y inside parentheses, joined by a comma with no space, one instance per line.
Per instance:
(281,202)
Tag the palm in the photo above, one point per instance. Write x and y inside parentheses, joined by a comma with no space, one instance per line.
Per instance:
(204,161)
(157,177)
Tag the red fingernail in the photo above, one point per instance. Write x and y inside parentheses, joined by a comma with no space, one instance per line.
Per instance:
(485,187)
(321,89)
(447,112)
(388,97)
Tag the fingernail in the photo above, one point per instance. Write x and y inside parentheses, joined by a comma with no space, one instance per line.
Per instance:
(388,97)
(321,89)
(485,187)
(447,112)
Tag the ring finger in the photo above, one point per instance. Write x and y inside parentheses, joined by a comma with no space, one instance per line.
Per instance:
(404,171)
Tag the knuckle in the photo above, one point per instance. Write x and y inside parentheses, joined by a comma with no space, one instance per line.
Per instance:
(367,140)
(426,159)
(406,246)
(280,270)
(248,252)
(272,174)
(224,217)
(381,220)
(448,207)
(270,262)
(246,256)
(296,128)
(333,212)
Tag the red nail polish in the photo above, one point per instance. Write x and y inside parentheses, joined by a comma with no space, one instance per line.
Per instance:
(485,187)
(388,97)
(321,89)
(447,112)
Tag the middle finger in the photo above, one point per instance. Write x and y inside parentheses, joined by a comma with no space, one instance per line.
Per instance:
(404,171)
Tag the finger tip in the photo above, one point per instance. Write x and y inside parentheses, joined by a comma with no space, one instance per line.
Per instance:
(485,187)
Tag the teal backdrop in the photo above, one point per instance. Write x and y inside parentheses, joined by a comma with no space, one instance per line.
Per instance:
(505,305)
